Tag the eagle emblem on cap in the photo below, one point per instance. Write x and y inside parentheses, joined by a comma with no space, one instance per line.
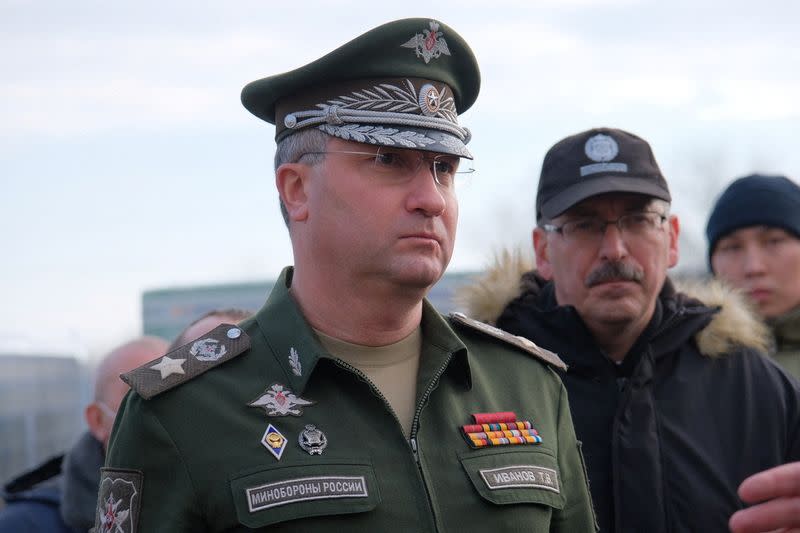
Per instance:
(429,44)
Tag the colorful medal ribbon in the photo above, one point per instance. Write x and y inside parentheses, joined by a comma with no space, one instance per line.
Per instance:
(499,429)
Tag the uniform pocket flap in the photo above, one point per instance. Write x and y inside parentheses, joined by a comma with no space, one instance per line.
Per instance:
(267,496)
(515,476)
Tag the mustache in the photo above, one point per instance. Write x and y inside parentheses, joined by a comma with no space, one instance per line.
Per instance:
(613,271)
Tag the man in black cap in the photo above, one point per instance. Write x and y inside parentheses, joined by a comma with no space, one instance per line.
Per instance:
(666,388)
(754,244)
(348,403)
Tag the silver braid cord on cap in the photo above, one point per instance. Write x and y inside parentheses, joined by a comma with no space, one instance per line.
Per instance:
(336,115)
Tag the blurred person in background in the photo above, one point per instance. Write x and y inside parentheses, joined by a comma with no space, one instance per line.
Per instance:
(754,244)
(60,495)
(206,323)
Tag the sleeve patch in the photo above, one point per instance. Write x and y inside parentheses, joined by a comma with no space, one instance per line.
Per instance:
(119,501)
(221,344)
(520,342)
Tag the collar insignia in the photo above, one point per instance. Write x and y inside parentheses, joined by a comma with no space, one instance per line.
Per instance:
(294,362)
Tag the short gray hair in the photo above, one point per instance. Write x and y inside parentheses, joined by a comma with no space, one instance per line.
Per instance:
(290,149)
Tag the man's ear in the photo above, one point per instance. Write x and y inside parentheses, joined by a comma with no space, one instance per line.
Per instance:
(291,180)
(543,265)
(674,232)
(94,419)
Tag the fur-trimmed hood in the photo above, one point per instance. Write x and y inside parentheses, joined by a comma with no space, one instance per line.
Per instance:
(512,273)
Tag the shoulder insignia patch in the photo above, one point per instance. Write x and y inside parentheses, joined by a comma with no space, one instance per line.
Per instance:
(119,501)
(221,344)
(520,342)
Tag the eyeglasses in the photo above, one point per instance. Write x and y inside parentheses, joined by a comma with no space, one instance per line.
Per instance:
(590,230)
(399,165)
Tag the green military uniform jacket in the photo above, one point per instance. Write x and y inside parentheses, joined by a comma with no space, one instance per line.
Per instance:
(786,331)
(321,449)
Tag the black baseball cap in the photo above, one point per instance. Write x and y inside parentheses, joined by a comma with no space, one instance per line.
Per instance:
(597,161)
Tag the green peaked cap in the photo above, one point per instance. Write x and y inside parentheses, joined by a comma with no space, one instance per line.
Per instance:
(402,84)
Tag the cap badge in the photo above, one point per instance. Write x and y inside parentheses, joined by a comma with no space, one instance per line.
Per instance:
(207,350)
(602,149)
(168,366)
(499,429)
(294,362)
(312,440)
(279,401)
(429,44)
(274,441)
(429,100)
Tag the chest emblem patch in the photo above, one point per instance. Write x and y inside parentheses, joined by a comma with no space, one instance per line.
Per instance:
(499,429)
(274,441)
(277,400)
(312,440)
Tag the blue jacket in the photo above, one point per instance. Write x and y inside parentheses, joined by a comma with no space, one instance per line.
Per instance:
(58,496)
(32,501)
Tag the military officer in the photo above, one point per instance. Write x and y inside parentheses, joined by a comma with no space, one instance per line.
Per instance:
(348,402)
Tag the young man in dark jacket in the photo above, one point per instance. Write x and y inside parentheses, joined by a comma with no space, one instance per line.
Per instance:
(669,391)
(754,245)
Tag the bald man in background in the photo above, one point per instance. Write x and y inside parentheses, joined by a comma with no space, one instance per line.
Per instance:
(60,495)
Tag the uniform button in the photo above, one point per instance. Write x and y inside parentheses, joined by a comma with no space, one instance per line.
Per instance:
(234,333)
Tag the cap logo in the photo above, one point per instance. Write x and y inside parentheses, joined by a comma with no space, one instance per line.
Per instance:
(429,44)
(602,149)
(429,100)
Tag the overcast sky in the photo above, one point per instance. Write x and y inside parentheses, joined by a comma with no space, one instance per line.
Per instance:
(128,163)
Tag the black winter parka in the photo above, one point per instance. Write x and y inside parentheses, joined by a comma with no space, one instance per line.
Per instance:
(670,433)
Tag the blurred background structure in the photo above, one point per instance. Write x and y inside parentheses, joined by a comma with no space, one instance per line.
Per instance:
(41,407)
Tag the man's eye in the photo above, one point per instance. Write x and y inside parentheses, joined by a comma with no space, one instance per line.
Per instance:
(444,168)
(585,226)
(388,160)
(638,220)
(729,247)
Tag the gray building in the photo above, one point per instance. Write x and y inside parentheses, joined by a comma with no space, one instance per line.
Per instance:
(41,408)
(165,312)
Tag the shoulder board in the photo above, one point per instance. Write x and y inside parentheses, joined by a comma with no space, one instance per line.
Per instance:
(221,344)
(520,342)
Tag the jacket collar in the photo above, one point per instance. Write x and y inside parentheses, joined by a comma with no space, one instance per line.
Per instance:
(298,351)
(786,329)
(512,278)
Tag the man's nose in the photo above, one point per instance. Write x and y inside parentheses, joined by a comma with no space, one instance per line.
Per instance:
(612,244)
(426,195)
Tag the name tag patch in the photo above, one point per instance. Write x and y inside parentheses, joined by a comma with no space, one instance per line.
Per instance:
(304,489)
(521,476)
